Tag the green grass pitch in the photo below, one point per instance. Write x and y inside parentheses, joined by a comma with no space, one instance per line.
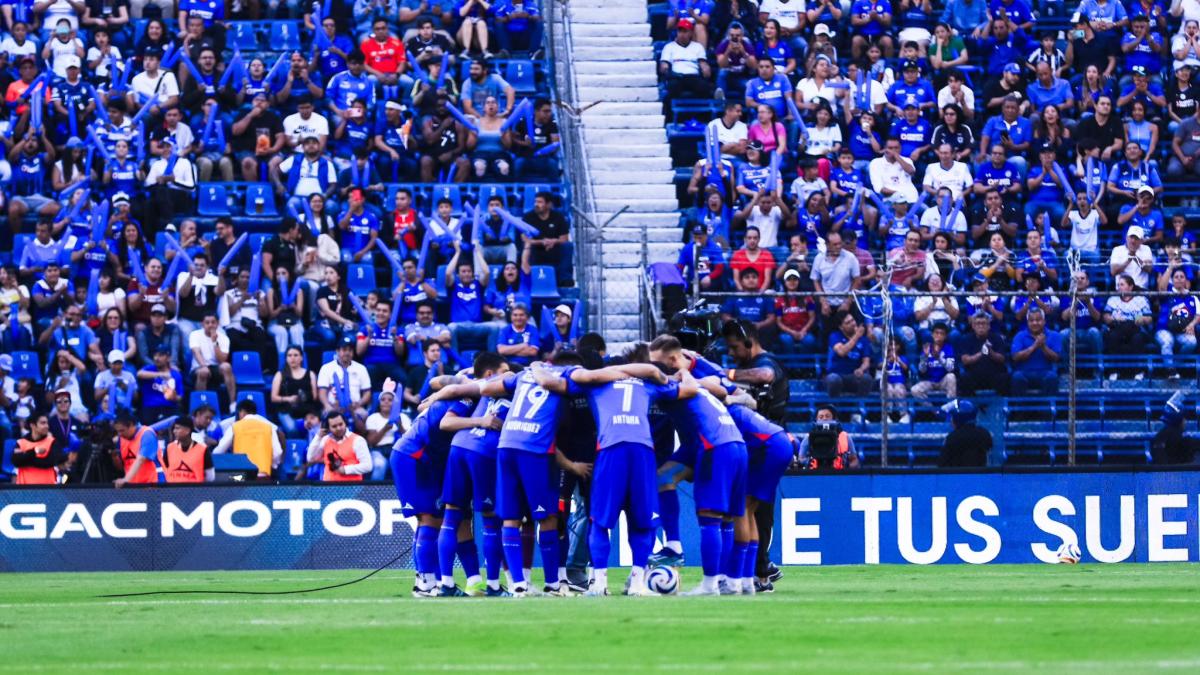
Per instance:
(1014,619)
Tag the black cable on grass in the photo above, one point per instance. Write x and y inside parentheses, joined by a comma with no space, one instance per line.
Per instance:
(386,565)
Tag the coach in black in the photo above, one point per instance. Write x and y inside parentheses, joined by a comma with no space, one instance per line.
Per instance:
(758,371)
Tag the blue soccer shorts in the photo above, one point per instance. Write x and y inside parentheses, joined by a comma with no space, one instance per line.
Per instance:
(720,480)
(525,480)
(418,484)
(763,476)
(470,480)
(624,479)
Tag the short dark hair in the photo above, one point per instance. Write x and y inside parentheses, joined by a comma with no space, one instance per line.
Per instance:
(248,406)
(355,56)
(124,417)
(485,361)
(591,342)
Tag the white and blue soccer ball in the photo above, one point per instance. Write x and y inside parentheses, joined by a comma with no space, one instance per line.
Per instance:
(1069,554)
(663,580)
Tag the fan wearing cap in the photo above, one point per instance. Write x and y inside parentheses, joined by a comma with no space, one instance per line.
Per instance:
(170,192)
(1048,186)
(258,137)
(72,90)
(1144,214)
(557,337)
(383,431)
(911,89)
(343,384)
(683,64)
(1010,83)
(115,387)
(914,131)
(304,174)
(1133,257)
(702,260)
(736,61)
(160,385)
(153,80)
(967,444)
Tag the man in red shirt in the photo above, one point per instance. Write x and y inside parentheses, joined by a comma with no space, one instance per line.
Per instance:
(385,55)
(759,259)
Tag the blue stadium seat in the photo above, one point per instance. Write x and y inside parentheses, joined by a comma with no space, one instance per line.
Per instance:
(360,278)
(247,369)
(212,201)
(7,470)
(450,192)
(257,240)
(294,455)
(390,191)
(284,36)
(27,364)
(530,193)
(260,200)
(242,36)
(488,191)
(439,281)
(199,398)
(522,76)
(544,284)
(257,396)
(20,241)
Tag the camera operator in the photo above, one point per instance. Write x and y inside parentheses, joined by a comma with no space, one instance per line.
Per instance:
(827,446)
(758,371)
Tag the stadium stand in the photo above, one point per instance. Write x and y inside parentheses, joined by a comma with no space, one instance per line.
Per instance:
(989,157)
(285,168)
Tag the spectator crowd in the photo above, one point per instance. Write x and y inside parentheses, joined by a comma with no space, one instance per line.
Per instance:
(977,158)
(305,207)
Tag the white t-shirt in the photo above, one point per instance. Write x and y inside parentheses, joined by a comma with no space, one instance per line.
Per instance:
(164,84)
(1127,310)
(309,182)
(14,50)
(946,97)
(206,347)
(932,220)
(810,90)
(375,422)
(683,60)
(767,224)
(59,50)
(360,380)
(1083,231)
(786,12)
(296,127)
(1132,264)
(93,53)
(877,91)
(822,141)
(891,175)
(735,134)
(801,189)
(106,301)
(938,314)
(957,178)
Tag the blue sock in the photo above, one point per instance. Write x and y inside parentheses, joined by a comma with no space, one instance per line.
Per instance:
(640,544)
(668,513)
(548,542)
(751,559)
(710,545)
(599,546)
(448,542)
(426,550)
(493,554)
(510,539)
(737,559)
(726,544)
(468,555)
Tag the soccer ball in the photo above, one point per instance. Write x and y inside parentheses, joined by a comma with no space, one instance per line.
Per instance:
(1069,554)
(663,580)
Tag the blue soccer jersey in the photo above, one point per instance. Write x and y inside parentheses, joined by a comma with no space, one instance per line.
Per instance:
(755,429)
(622,410)
(533,418)
(479,439)
(703,424)
(425,438)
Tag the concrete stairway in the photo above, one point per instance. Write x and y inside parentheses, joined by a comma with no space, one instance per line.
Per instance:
(629,160)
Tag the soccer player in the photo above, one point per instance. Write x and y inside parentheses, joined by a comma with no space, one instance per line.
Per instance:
(712,446)
(769,452)
(525,482)
(625,476)
(418,466)
(471,478)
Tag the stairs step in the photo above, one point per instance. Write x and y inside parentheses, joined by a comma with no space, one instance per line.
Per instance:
(601,53)
(612,67)
(645,79)
(640,191)
(657,221)
(652,121)
(647,93)
(612,30)
(612,42)
(623,108)
(600,150)
(607,14)
(635,234)
(638,205)
(626,177)
(601,136)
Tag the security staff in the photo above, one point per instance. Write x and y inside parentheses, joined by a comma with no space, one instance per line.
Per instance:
(37,455)
(185,460)
(968,444)
(138,448)
(758,371)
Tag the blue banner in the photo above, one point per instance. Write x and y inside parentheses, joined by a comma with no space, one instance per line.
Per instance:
(821,519)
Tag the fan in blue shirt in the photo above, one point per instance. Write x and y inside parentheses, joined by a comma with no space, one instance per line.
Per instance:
(913,131)
(768,88)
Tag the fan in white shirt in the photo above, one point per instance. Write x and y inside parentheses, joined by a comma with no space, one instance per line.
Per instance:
(947,173)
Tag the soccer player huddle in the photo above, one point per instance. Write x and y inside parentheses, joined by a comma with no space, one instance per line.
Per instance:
(514,446)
